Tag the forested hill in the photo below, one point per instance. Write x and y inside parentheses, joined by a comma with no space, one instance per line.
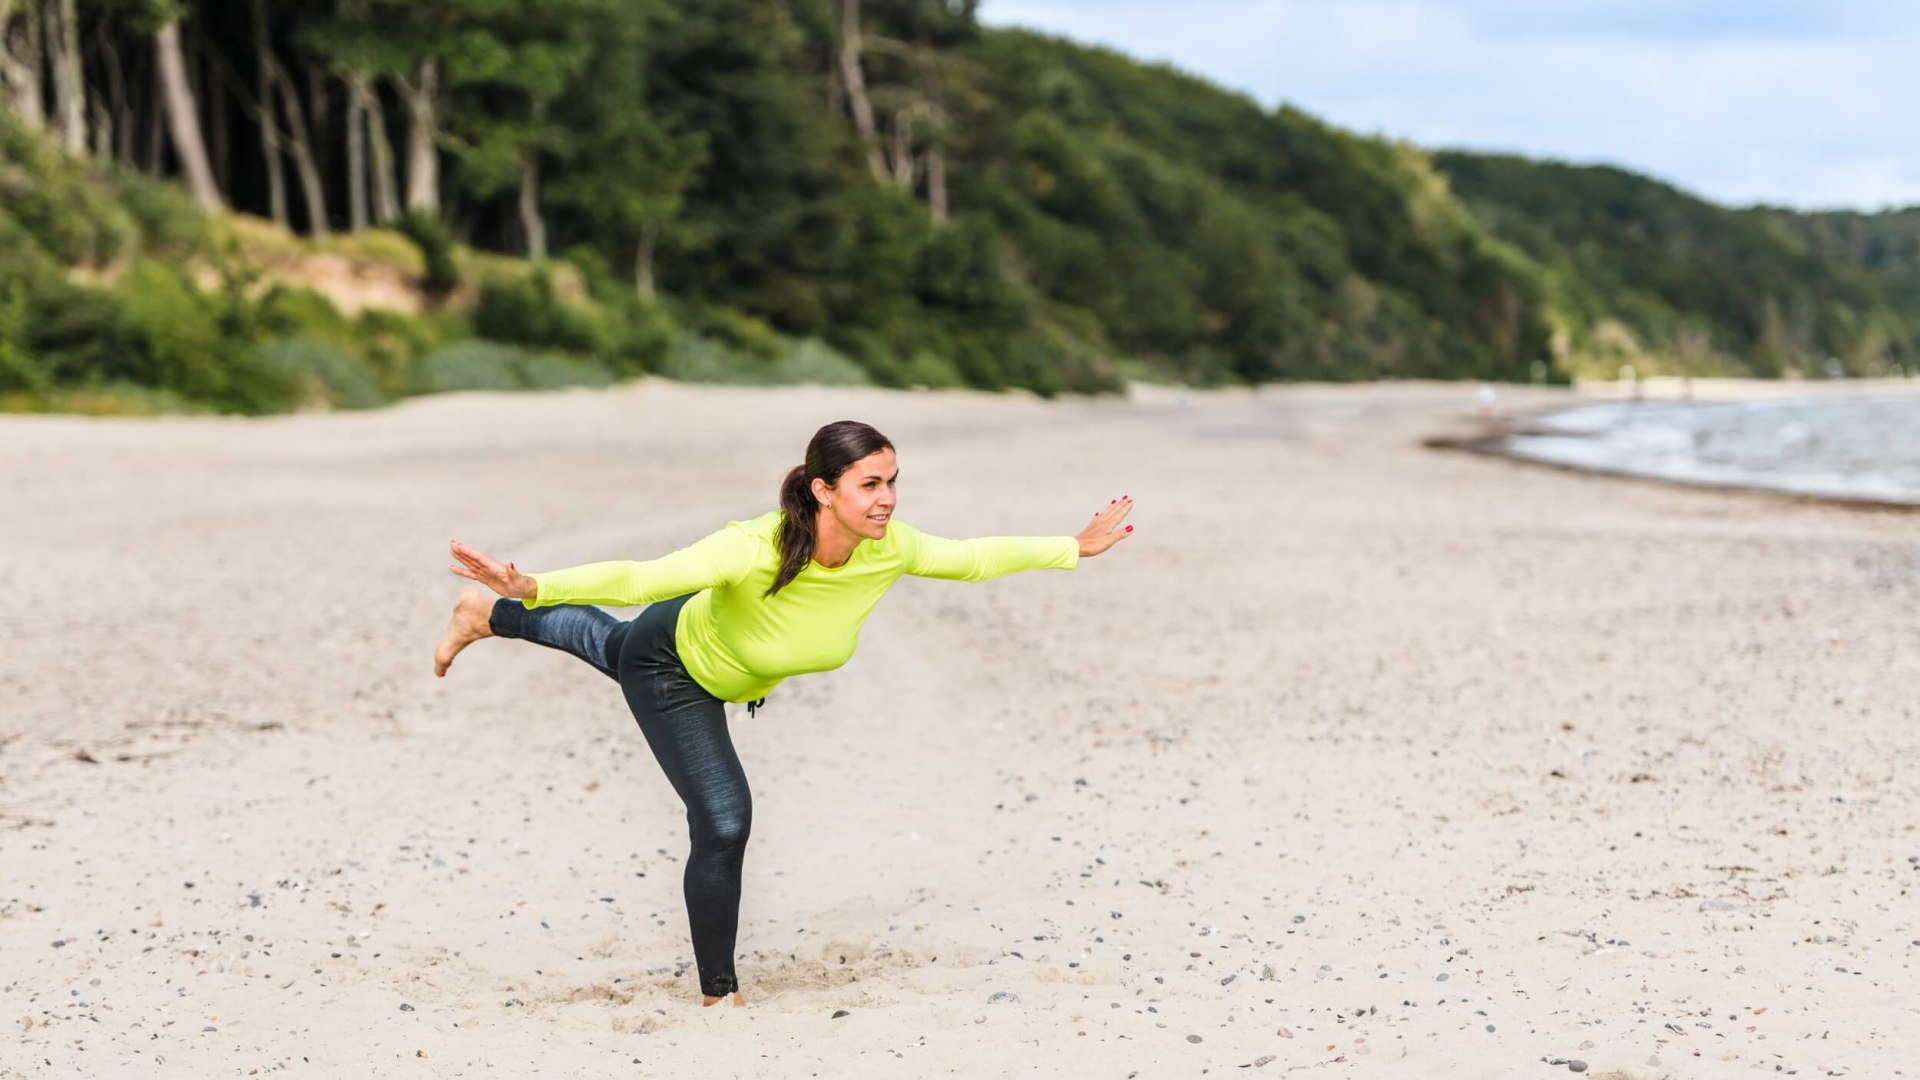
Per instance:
(1642,273)
(863,189)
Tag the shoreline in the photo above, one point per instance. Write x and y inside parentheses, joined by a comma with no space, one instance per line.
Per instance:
(1496,434)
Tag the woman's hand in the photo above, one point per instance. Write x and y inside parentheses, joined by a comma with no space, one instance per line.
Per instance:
(1105,530)
(505,579)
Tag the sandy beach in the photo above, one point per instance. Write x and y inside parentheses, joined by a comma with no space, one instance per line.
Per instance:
(1358,759)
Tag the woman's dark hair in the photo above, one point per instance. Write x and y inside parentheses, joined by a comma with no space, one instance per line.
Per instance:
(832,451)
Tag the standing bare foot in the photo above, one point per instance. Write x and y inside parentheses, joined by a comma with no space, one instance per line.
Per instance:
(709,1002)
(470,623)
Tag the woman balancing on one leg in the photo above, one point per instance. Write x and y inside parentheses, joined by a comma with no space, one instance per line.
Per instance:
(733,614)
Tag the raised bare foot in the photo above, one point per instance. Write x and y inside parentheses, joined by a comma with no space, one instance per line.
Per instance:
(709,1002)
(469,624)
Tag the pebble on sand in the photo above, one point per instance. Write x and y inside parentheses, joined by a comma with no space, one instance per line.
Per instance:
(1001,997)
(1193,1038)
(838,1013)
(1576,1066)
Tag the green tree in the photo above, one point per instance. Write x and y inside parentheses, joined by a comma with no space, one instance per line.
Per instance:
(623,174)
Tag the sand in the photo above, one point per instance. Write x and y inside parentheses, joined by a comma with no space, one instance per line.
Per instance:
(1358,758)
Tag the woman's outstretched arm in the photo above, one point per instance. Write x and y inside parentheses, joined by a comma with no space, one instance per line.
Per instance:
(723,557)
(992,556)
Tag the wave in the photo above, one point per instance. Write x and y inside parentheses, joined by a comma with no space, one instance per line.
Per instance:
(1864,449)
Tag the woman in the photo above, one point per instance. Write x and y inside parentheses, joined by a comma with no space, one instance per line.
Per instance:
(730,617)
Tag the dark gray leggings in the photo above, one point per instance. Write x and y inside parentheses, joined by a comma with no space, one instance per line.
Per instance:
(687,728)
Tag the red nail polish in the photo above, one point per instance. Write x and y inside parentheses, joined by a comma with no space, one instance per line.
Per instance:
(1129,528)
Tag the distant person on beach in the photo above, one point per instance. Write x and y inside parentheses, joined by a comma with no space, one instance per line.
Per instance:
(732,615)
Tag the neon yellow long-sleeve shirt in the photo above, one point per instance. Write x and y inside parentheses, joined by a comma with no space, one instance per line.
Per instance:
(737,642)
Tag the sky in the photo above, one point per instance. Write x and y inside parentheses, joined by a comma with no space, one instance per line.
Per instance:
(1812,104)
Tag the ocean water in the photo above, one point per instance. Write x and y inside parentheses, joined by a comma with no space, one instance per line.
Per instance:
(1863,448)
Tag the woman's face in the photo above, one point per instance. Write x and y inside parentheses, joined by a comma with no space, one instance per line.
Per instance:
(862,499)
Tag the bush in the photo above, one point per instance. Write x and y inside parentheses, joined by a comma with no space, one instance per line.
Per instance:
(526,311)
(20,253)
(929,370)
(435,242)
(695,358)
(735,330)
(814,361)
(20,370)
(168,335)
(643,332)
(296,311)
(52,199)
(103,399)
(391,342)
(74,329)
(321,373)
(467,365)
(170,222)
(491,365)
(546,371)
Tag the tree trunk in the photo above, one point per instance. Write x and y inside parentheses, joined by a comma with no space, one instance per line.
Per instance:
(937,183)
(183,122)
(386,199)
(302,150)
(22,56)
(423,166)
(220,133)
(903,150)
(269,124)
(156,114)
(836,88)
(356,164)
(69,93)
(643,264)
(855,82)
(318,104)
(122,112)
(102,131)
(936,152)
(530,222)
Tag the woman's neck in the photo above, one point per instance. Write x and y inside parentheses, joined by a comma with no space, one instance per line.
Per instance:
(832,545)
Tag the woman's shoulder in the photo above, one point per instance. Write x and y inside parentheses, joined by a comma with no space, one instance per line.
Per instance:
(764,525)
(763,531)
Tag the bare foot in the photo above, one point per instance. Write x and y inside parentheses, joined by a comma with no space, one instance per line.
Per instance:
(710,1002)
(469,624)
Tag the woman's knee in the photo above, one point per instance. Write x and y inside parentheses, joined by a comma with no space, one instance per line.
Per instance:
(726,830)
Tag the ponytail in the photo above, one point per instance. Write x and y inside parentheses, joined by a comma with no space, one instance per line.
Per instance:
(833,449)
(796,526)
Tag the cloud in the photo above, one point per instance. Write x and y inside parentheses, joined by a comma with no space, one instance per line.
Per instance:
(1788,103)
